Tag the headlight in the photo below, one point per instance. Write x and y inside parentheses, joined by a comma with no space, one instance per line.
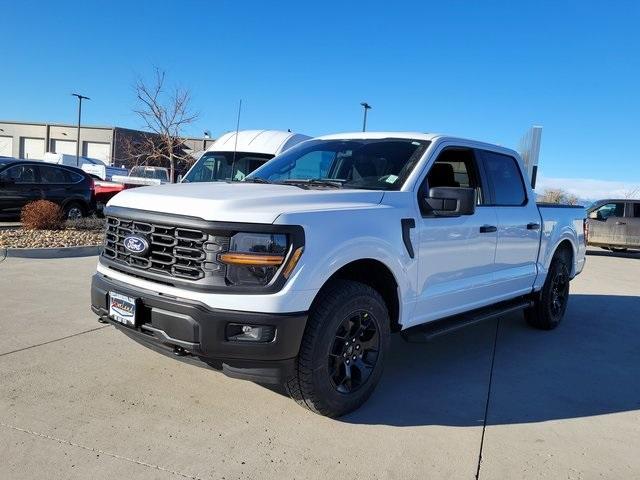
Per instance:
(254,258)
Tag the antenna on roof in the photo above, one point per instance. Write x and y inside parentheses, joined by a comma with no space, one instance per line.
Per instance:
(235,145)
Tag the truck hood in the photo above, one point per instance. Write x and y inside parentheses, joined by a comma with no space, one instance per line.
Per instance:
(241,202)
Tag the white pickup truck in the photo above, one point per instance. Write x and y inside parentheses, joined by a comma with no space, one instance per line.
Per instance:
(299,274)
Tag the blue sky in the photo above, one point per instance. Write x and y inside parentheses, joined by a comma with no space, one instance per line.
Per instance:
(485,70)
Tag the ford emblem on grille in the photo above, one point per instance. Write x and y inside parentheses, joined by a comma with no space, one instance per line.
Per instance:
(136,244)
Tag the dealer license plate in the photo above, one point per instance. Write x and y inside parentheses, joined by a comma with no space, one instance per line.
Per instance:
(122,309)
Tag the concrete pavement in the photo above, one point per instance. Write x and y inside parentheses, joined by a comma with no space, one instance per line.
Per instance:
(80,400)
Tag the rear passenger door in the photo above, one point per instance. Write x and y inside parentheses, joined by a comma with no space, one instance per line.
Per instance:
(519,225)
(56,184)
(631,231)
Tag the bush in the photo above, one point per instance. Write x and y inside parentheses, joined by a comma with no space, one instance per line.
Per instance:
(42,215)
(86,223)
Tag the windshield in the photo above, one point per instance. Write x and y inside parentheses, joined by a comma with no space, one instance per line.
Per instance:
(372,164)
(220,166)
(147,172)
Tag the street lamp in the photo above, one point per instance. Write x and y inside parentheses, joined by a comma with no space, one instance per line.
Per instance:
(366,107)
(80,98)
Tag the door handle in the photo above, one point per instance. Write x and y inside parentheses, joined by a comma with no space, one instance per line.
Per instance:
(488,229)
(621,223)
(533,226)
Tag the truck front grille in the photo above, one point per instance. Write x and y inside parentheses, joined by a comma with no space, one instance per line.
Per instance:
(174,251)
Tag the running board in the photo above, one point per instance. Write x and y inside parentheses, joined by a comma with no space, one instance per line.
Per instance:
(424,333)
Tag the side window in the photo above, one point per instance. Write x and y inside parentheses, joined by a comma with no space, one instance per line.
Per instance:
(53,175)
(74,177)
(610,210)
(636,210)
(505,179)
(20,174)
(455,167)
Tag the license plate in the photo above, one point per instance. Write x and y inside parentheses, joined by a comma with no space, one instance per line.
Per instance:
(122,309)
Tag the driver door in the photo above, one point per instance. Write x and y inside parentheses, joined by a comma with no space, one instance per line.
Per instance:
(18,186)
(605,224)
(456,255)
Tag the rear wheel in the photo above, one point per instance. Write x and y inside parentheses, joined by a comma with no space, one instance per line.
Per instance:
(73,211)
(551,303)
(343,349)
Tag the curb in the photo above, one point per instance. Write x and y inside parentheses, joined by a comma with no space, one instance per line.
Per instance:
(42,253)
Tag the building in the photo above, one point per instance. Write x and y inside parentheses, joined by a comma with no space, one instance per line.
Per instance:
(32,140)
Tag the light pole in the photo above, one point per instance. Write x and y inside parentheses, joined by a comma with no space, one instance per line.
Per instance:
(80,98)
(366,107)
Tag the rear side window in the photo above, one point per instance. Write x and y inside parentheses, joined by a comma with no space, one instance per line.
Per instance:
(636,210)
(505,179)
(53,175)
(58,175)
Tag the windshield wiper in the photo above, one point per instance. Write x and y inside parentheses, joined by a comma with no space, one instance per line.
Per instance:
(315,181)
(256,180)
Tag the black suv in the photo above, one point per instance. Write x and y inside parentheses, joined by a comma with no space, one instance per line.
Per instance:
(24,181)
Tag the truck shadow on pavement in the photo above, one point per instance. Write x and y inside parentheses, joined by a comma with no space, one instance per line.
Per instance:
(605,253)
(588,366)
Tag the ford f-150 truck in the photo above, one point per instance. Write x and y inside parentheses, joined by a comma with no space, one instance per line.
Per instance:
(299,274)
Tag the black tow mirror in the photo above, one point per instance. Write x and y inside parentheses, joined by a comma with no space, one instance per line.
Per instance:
(450,201)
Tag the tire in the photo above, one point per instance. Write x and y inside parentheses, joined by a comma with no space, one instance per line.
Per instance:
(73,211)
(551,303)
(343,349)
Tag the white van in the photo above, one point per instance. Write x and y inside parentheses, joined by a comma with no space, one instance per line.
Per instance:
(235,155)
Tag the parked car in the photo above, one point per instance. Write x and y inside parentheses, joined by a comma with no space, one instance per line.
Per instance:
(105,191)
(299,274)
(614,224)
(235,155)
(92,166)
(143,175)
(24,181)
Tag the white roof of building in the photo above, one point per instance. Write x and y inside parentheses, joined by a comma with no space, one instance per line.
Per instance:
(257,141)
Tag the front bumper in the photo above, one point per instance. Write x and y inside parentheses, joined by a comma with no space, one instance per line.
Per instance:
(195,333)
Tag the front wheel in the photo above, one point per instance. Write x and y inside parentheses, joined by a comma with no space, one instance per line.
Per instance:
(551,303)
(343,349)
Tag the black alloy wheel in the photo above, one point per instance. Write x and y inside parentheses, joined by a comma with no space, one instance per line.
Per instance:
(354,352)
(559,291)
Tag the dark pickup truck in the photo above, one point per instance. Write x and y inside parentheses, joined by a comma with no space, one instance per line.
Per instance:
(615,224)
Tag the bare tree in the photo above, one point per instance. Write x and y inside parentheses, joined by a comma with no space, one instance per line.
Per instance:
(165,112)
(557,195)
(632,193)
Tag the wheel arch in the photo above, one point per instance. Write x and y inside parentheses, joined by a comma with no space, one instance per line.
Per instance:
(377,275)
(565,245)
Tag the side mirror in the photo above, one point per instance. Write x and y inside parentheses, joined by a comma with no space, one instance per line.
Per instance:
(593,215)
(450,201)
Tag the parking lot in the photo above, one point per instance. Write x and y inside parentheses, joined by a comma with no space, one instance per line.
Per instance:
(80,400)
